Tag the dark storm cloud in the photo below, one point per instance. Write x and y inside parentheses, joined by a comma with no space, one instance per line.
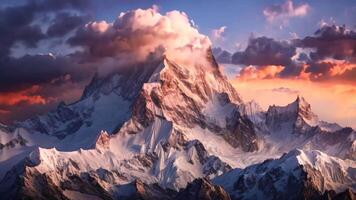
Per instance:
(16,22)
(222,56)
(265,51)
(15,26)
(35,84)
(331,42)
(18,25)
(19,73)
(316,68)
(64,23)
(335,42)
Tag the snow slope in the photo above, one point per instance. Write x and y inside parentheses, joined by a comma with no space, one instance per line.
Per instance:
(291,177)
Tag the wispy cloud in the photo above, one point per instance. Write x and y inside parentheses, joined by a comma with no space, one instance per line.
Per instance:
(285,90)
(217,34)
(285,11)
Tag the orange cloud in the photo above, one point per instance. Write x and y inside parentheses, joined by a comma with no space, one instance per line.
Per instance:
(27,96)
(337,71)
(264,72)
(340,67)
(330,69)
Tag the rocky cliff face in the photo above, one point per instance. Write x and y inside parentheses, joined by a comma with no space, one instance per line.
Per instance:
(297,116)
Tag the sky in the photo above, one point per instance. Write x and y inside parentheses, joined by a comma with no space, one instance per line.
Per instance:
(271,51)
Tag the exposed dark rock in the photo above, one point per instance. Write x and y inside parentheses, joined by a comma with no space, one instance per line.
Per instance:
(202,189)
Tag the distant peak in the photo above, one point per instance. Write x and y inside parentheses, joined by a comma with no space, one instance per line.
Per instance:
(301,101)
(102,141)
(299,112)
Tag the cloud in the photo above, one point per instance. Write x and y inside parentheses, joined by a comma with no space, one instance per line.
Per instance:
(22,104)
(63,23)
(135,35)
(17,24)
(265,51)
(293,35)
(334,54)
(285,11)
(285,90)
(27,96)
(23,72)
(222,56)
(331,41)
(328,55)
(34,84)
(261,72)
(217,33)
(332,70)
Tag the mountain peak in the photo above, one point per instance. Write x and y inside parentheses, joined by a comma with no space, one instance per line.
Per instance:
(103,141)
(298,113)
(305,112)
(301,102)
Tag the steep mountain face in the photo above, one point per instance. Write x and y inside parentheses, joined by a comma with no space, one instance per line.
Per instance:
(253,111)
(296,175)
(296,117)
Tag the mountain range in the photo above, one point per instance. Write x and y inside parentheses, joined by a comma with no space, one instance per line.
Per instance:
(162,129)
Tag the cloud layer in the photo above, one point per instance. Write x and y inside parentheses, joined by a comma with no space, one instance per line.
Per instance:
(328,55)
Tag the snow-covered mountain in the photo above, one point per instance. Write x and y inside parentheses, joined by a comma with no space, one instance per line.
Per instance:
(153,128)
(298,174)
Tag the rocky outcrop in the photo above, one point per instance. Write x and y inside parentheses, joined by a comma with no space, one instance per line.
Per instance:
(103,141)
(202,189)
(140,190)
